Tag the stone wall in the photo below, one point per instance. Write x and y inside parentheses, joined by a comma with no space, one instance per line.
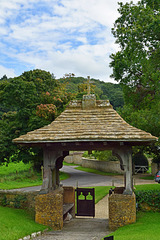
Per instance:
(155,167)
(122,210)
(47,209)
(105,166)
(112,166)
(74,157)
(18,199)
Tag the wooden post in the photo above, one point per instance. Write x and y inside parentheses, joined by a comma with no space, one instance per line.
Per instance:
(49,174)
(124,153)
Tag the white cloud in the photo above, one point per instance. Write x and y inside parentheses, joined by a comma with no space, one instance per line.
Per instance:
(9,72)
(58,36)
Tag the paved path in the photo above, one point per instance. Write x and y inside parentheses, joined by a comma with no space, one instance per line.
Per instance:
(83,228)
(101,209)
(85,179)
(80,229)
(82,179)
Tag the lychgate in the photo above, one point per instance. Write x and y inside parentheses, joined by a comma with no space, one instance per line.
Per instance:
(86,124)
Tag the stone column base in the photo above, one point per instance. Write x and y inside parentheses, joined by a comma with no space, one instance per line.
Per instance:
(49,209)
(122,210)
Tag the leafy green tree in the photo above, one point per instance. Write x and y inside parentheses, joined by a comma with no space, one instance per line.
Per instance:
(4,77)
(136,66)
(29,101)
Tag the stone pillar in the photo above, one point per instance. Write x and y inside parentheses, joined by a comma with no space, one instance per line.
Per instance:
(49,209)
(49,169)
(155,167)
(124,153)
(122,210)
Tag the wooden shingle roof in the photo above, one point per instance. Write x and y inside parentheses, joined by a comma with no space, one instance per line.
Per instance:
(99,122)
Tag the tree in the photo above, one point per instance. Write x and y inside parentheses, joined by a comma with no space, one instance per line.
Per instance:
(103,90)
(29,101)
(136,66)
(4,77)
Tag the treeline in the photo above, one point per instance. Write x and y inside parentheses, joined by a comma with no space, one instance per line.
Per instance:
(28,102)
(36,98)
(75,86)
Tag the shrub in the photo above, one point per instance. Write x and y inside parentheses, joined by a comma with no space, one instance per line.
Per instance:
(148,200)
(101,155)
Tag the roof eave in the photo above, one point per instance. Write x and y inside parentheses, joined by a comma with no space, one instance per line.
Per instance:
(85,140)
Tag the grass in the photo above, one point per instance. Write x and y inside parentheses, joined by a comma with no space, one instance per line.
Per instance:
(16,223)
(69,164)
(34,180)
(101,192)
(147,187)
(12,168)
(149,177)
(90,170)
(145,228)
(19,175)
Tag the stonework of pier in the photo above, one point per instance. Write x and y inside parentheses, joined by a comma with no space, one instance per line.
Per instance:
(122,210)
(49,209)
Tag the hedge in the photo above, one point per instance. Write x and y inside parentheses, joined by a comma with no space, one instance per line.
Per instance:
(148,200)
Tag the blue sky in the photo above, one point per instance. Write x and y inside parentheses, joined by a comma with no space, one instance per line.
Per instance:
(59,36)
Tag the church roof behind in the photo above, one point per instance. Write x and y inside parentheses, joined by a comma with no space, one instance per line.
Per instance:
(87,120)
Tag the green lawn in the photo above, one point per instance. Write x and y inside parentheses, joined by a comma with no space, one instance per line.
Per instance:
(69,164)
(101,192)
(18,175)
(146,228)
(16,223)
(12,168)
(35,180)
(148,177)
(148,187)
